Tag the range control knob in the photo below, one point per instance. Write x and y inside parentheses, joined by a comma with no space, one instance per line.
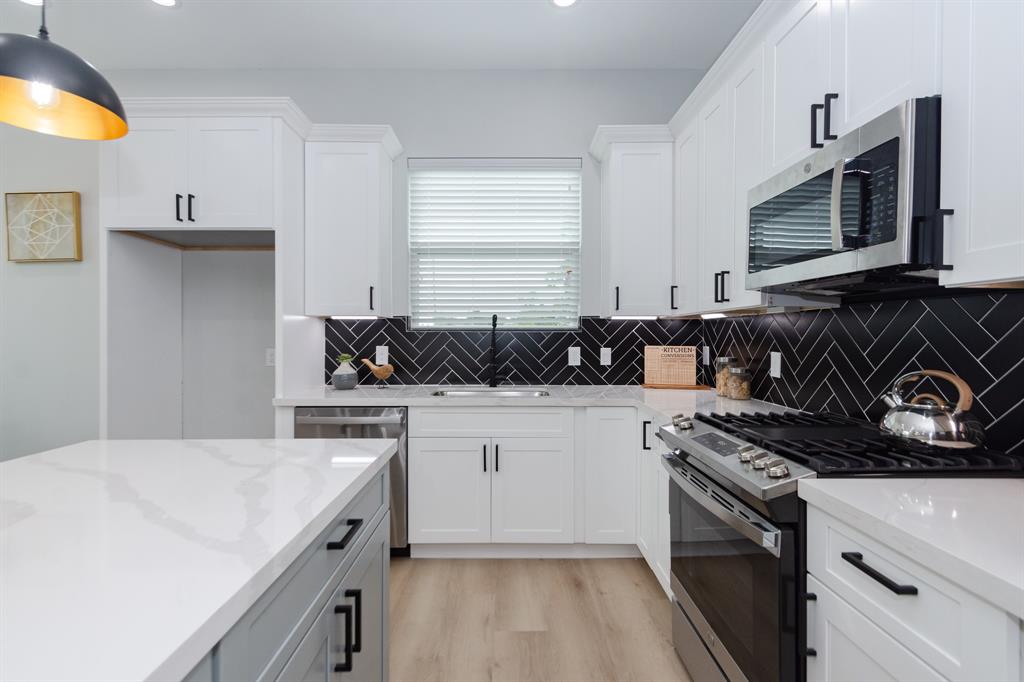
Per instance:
(777,468)
(760,460)
(682,422)
(748,452)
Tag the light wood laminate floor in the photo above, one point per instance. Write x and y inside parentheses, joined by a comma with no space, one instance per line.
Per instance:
(469,620)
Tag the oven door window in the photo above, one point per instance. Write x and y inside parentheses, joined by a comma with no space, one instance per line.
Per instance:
(734,582)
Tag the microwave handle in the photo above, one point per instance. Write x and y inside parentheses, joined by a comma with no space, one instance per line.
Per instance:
(837,205)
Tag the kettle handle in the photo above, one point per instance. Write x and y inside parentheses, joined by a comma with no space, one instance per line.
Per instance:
(965,398)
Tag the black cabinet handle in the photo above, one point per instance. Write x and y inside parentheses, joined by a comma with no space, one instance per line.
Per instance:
(811,652)
(717,298)
(497,452)
(857,559)
(672,297)
(829,98)
(815,108)
(644,434)
(485,457)
(177,207)
(353,527)
(371,298)
(346,665)
(616,298)
(810,596)
(357,595)
(190,198)
(724,299)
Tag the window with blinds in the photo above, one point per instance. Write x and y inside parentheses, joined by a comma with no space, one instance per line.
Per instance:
(494,237)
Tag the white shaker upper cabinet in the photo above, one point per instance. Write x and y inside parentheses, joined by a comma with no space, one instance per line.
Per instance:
(348,225)
(636,195)
(717,230)
(883,52)
(797,77)
(231,173)
(983,140)
(144,175)
(687,218)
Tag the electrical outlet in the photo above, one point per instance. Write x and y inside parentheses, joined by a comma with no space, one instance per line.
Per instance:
(382,356)
(707,355)
(574,356)
(606,356)
(268,357)
(775,371)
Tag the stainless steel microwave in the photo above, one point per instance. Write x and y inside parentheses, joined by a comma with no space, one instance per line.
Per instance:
(859,216)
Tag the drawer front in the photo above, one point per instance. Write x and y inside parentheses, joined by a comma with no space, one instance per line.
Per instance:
(490,422)
(268,627)
(950,629)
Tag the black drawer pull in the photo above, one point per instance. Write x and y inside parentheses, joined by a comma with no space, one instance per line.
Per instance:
(357,595)
(353,527)
(857,559)
(346,665)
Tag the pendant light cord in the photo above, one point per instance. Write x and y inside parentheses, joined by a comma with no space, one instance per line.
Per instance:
(43,33)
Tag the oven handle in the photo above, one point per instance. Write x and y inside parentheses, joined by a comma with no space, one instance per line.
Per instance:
(837,205)
(770,539)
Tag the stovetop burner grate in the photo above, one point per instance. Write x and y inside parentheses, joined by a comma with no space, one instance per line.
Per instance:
(832,444)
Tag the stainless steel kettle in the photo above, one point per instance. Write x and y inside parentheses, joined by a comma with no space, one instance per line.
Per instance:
(930,419)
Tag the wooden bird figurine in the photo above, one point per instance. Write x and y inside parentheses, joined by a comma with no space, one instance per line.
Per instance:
(382,373)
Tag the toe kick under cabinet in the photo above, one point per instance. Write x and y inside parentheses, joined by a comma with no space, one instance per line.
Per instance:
(325,618)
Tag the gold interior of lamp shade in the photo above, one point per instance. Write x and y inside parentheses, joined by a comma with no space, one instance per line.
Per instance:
(67,116)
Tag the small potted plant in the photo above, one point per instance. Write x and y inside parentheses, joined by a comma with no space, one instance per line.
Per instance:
(345,376)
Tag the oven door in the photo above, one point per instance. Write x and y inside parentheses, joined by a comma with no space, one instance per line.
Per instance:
(733,576)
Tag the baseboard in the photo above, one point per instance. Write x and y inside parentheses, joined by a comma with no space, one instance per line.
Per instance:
(516,551)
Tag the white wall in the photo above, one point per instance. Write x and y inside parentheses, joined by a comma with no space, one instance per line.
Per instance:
(49,325)
(459,113)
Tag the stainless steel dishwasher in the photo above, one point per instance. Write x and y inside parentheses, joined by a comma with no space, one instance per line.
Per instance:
(367,422)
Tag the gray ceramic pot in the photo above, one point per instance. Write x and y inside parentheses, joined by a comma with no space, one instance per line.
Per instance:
(345,377)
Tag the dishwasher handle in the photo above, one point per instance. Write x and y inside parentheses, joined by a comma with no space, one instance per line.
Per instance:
(389,420)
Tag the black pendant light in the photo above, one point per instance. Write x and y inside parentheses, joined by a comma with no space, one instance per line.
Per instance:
(49,89)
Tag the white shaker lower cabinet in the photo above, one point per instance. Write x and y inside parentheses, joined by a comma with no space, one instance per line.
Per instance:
(877,614)
(610,456)
(653,531)
(531,486)
(449,490)
(982,140)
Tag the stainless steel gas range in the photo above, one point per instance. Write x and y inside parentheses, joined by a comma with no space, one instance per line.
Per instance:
(738,567)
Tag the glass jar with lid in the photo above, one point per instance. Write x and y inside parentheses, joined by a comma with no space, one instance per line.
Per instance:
(722,365)
(738,384)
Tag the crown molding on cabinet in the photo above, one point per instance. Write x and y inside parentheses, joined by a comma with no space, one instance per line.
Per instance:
(278,107)
(749,36)
(606,135)
(337,132)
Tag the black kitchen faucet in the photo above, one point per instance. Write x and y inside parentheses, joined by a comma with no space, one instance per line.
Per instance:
(493,382)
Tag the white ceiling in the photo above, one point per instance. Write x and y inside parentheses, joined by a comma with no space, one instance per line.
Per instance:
(386,34)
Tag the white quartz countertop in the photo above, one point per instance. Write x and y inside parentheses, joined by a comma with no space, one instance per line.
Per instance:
(969,530)
(129,560)
(663,403)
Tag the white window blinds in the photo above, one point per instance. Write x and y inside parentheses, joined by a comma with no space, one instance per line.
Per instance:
(494,236)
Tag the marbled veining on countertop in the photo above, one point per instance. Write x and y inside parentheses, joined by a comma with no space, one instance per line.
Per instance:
(128,560)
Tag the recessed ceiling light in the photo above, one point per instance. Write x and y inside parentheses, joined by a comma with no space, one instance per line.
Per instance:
(166,3)
(564,3)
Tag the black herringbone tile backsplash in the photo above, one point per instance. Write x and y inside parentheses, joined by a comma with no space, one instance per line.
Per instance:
(840,360)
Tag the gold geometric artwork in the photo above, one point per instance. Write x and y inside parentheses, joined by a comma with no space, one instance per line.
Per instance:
(43,227)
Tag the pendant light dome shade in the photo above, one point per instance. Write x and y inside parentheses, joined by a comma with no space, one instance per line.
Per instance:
(49,89)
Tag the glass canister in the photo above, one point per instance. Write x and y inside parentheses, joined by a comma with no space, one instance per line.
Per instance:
(738,384)
(722,365)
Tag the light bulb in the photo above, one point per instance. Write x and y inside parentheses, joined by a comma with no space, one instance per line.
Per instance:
(43,94)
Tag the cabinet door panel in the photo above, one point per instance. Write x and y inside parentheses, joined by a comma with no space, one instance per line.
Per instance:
(343,228)
(310,661)
(796,57)
(716,200)
(663,535)
(365,586)
(647,505)
(639,202)
(143,171)
(450,490)
(983,140)
(610,460)
(687,212)
(883,52)
(231,173)
(531,490)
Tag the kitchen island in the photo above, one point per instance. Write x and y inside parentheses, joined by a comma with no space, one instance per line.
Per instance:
(131,560)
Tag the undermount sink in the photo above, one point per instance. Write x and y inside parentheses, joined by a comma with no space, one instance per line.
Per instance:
(489,393)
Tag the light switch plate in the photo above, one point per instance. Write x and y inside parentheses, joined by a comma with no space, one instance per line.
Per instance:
(606,356)
(574,356)
(268,357)
(707,355)
(382,356)
(775,371)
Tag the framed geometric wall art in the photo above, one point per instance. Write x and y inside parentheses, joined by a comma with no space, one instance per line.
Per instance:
(43,227)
